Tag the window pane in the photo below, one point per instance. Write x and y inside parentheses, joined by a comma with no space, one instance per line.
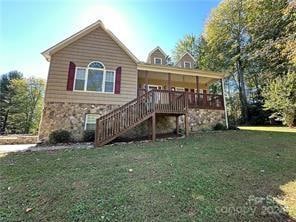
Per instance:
(94,80)
(91,121)
(80,79)
(80,74)
(79,84)
(108,87)
(157,61)
(97,65)
(91,118)
(90,126)
(187,64)
(109,76)
(109,81)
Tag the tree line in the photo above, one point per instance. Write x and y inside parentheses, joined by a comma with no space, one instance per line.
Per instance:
(20,103)
(254,42)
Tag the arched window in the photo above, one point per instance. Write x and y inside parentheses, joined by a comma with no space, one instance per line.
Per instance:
(95,78)
(96,65)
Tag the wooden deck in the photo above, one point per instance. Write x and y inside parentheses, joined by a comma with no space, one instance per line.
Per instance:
(146,106)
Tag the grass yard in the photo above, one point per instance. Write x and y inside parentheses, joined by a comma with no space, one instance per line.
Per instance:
(269,128)
(215,176)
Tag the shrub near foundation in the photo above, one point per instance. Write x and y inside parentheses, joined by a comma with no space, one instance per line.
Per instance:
(89,136)
(219,126)
(60,136)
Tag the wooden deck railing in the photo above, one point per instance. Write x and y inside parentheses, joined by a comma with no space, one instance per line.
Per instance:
(169,101)
(197,100)
(111,125)
(205,101)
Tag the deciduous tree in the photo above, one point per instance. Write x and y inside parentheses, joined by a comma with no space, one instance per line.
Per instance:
(226,37)
(280,97)
(189,44)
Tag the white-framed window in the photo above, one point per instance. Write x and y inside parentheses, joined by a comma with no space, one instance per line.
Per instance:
(90,121)
(94,78)
(151,87)
(180,89)
(187,64)
(157,61)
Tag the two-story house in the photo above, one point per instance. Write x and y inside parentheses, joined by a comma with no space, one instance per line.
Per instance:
(95,83)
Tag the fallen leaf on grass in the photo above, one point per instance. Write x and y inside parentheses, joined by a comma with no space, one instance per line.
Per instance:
(29,209)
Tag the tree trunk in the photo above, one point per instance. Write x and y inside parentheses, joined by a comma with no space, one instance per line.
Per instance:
(5,122)
(242,91)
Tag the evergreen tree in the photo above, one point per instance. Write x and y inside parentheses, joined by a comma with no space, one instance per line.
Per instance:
(6,95)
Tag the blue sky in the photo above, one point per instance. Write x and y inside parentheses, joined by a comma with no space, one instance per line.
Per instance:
(29,27)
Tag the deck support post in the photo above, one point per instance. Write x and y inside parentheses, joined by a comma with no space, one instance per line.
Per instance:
(97,133)
(169,87)
(186,122)
(177,125)
(169,82)
(146,81)
(153,119)
(205,99)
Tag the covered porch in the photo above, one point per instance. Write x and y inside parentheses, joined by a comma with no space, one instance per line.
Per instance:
(169,82)
(164,92)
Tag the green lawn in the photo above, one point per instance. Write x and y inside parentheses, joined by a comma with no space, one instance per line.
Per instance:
(269,128)
(215,176)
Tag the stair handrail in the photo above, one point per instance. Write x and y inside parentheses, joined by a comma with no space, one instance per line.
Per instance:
(124,106)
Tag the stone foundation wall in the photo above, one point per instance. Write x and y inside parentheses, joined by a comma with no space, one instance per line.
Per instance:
(68,116)
(205,118)
(18,139)
(71,117)
(199,119)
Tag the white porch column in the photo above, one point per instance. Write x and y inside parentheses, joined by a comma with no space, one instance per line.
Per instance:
(224,102)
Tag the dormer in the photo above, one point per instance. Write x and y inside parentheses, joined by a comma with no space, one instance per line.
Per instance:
(157,57)
(186,61)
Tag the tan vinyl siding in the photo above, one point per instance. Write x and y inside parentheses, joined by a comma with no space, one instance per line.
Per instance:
(95,46)
(157,54)
(185,58)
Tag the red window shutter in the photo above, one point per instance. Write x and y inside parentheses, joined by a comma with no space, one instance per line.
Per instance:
(71,76)
(117,80)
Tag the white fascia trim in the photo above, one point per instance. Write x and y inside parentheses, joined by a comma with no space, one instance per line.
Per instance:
(184,55)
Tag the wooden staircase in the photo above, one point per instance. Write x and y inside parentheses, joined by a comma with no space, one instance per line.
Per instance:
(124,118)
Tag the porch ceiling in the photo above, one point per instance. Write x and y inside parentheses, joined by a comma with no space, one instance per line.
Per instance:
(175,77)
(179,71)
